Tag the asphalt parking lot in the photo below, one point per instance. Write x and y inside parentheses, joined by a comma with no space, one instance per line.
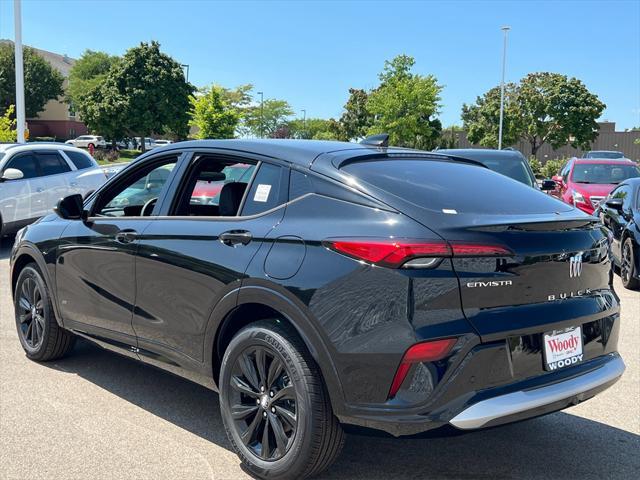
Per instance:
(98,415)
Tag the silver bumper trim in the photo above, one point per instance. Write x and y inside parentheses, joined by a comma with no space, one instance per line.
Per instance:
(481,413)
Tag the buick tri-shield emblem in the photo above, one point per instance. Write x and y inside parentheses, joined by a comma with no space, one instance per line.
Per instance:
(575,265)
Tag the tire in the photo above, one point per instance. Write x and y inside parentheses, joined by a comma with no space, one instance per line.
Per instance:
(628,271)
(316,439)
(48,341)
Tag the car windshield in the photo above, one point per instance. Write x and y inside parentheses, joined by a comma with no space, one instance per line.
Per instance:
(513,168)
(605,155)
(603,173)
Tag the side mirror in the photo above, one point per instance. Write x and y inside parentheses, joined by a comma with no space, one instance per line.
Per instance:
(70,208)
(615,203)
(12,174)
(548,184)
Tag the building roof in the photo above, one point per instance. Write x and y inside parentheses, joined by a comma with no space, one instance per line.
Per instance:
(62,63)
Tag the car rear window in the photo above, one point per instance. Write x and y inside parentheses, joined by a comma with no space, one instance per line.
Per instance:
(514,168)
(604,173)
(79,159)
(450,186)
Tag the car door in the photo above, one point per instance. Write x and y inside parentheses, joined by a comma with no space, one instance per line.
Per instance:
(615,220)
(19,199)
(195,255)
(95,270)
(53,180)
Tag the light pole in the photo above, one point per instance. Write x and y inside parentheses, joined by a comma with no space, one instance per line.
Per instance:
(20,114)
(505,29)
(304,121)
(261,113)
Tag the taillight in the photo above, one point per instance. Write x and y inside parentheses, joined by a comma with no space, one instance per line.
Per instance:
(394,253)
(420,352)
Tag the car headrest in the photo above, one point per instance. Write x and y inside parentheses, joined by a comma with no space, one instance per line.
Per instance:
(230,198)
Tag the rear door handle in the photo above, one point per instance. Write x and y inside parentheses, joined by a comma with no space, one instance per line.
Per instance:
(126,236)
(74,184)
(40,189)
(235,237)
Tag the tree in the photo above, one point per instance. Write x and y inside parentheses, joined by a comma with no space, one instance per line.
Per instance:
(104,109)
(542,108)
(154,91)
(558,110)
(356,118)
(213,113)
(269,119)
(481,120)
(89,71)
(313,128)
(8,126)
(41,81)
(450,137)
(405,105)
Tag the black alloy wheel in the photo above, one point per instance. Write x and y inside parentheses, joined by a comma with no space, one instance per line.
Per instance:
(274,404)
(40,335)
(31,313)
(627,265)
(264,406)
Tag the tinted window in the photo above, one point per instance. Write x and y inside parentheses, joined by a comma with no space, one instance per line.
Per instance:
(129,198)
(52,163)
(512,168)
(299,185)
(623,192)
(79,159)
(25,163)
(437,186)
(603,173)
(600,154)
(265,191)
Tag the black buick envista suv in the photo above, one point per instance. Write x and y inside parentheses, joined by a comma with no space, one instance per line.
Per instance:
(318,284)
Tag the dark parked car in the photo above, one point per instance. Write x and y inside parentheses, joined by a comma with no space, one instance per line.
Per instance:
(341,284)
(620,212)
(601,154)
(507,162)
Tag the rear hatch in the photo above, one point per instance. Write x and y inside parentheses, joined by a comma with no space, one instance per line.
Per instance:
(557,274)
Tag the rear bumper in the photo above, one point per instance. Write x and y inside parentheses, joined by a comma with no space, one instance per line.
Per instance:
(490,407)
(503,407)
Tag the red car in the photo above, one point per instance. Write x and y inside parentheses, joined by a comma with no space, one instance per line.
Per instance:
(207,190)
(586,182)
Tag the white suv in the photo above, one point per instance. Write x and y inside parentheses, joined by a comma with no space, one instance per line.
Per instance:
(33,177)
(83,141)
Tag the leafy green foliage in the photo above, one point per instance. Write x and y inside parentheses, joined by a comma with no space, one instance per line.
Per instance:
(8,126)
(543,108)
(313,128)
(213,113)
(481,120)
(450,137)
(270,120)
(552,167)
(405,105)
(356,118)
(536,166)
(41,81)
(89,71)
(143,93)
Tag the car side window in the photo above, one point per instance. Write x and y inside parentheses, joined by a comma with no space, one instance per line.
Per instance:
(52,163)
(299,185)
(80,159)
(26,163)
(266,191)
(136,195)
(212,187)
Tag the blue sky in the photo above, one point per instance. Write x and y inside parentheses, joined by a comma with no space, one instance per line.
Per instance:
(310,53)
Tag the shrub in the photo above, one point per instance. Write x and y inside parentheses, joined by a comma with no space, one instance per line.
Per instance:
(99,155)
(536,166)
(552,167)
(112,156)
